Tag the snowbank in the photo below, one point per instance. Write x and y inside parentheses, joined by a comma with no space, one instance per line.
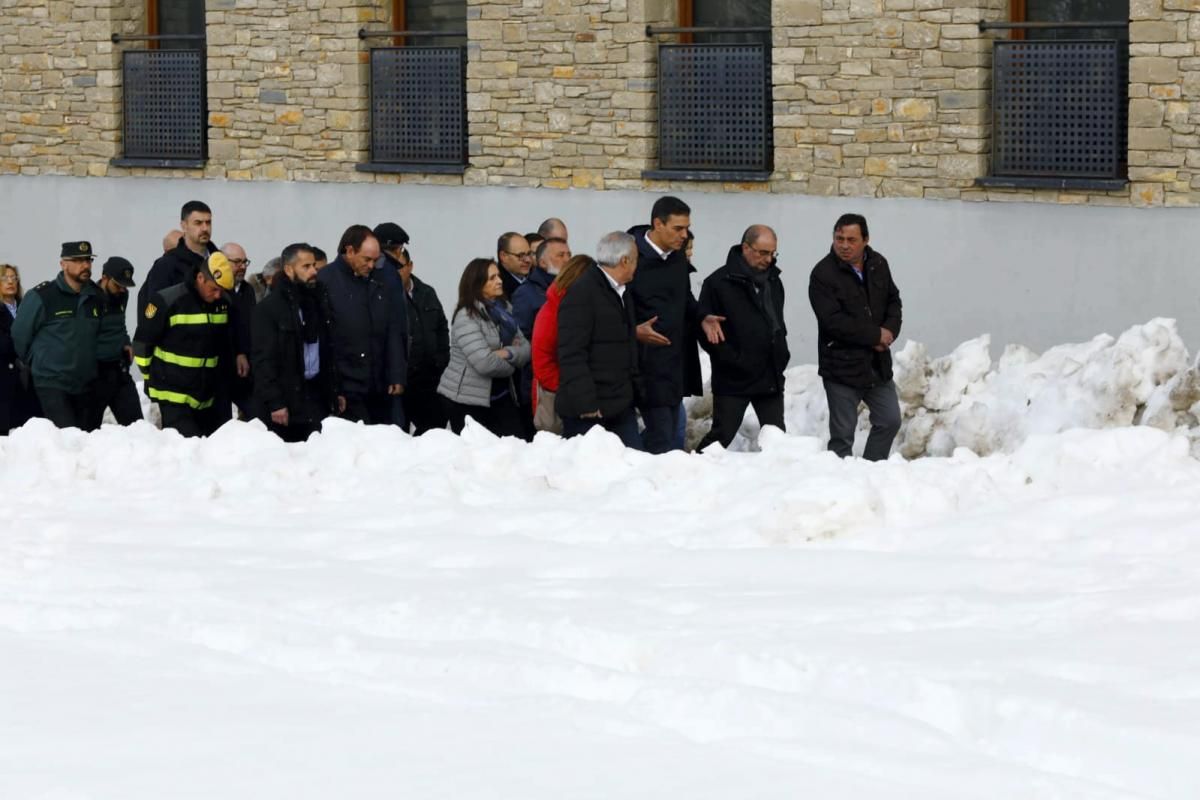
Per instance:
(964,399)
(374,616)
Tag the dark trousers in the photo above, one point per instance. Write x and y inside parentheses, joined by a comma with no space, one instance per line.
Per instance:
(624,425)
(425,408)
(729,411)
(884,407)
(305,421)
(69,410)
(373,408)
(191,422)
(662,428)
(115,390)
(501,418)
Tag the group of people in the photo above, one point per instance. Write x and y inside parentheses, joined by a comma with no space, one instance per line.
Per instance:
(539,338)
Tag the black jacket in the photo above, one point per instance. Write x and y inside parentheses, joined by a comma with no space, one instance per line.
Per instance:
(242,304)
(511,283)
(369,338)
(429,335)
(17,400)
(849,316)
(184,344)
(278,354)
(597,349)
(172,267)
(754,354)
(662,288)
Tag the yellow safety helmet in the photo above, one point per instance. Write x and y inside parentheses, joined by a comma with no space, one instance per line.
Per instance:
(220,270)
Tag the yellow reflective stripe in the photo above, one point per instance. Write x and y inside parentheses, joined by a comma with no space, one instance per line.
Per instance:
(184,361)
(142,361)
(198,319)
(180,398)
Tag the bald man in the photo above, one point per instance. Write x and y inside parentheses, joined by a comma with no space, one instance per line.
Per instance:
(242,309)
(171,240)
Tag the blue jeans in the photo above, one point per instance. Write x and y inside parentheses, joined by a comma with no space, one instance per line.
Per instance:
(624,425)
(663,431)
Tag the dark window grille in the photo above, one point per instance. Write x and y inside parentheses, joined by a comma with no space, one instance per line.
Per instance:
(164,98)
(1060,108)
(714,107)
(419,105)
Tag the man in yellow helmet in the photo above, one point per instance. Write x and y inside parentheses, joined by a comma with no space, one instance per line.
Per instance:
(182,342)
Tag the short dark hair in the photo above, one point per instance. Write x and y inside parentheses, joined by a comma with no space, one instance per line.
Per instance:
(292,251)
(504,240)
(667,206)
(319,254)
(541,250)
(191,207)
(470,285)
(852,219)
(354,237)
(530,238)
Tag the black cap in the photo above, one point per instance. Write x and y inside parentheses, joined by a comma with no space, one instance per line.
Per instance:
(119,270)
(390,234)
(77,250)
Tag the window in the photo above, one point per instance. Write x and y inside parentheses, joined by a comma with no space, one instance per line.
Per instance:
(165,112)
(430,15)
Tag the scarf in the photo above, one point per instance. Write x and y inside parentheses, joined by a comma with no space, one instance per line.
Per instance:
(308,307)
(504,321)
(762,281)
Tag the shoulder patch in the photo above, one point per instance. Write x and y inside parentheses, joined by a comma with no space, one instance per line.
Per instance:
(151,310)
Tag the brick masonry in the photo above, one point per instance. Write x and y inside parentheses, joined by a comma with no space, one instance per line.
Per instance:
(884,98)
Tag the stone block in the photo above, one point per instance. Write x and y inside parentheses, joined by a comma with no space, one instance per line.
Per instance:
(913,109)
(965,166)
(1145,9)
(888,166)
(1149,139)
(796,12)
(920,35)
(1145,113)
(1146,194)
(1153,69)
(865,9)
(1152,31)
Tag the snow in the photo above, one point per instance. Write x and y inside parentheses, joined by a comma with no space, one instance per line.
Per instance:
(370,615)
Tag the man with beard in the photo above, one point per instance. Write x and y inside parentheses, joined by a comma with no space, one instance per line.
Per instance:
(55,333)
(114,355)
(295,380)
(747,367)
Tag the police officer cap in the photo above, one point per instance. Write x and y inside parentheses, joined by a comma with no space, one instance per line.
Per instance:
(120,270)
(77,250)
(390,234)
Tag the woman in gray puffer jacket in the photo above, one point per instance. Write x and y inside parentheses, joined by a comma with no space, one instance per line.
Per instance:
(487,350)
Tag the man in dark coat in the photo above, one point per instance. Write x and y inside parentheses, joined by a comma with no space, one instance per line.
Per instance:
(369,335)
(597,346)
(747,367)
(241,304)
(295,380)
(669,323)
(428,351)
(114,355)
(515,259)
(858,312)
(179,264)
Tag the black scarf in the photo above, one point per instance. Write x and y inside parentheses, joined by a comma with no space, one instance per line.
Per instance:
(761,279)
(305,300)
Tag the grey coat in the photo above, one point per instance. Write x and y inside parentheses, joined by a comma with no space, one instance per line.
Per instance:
(467,379)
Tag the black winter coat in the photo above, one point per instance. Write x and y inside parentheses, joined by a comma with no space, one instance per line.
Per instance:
(597,349)
(369,338)
(185,345)
(172,267)
(662,288)
(429,335)
(849,316)
(278,354)
(17,400)
(752,359)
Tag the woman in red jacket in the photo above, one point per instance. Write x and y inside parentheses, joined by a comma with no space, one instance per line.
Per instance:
(545,345)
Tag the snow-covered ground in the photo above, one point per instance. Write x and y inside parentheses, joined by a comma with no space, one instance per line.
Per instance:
(375,616)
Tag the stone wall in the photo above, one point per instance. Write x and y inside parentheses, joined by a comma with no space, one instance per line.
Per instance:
(886,98)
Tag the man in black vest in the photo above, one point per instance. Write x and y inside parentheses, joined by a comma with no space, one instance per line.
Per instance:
(858,319)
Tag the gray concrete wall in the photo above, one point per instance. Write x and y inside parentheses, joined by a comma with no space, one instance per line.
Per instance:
(1035,274)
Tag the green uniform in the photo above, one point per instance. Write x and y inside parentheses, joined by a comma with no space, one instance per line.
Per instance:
(56,332)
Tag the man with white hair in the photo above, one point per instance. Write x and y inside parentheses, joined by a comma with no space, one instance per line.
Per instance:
(597,345)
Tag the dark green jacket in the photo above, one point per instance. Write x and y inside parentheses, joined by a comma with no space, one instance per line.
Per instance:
(55,333)
(113,336)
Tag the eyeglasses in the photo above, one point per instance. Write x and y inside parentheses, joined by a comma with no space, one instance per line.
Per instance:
(242,261)
(526,254)
(9,276)
(772,254)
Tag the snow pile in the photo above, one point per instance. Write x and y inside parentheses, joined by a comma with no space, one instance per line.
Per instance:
(964,399)
(374,616)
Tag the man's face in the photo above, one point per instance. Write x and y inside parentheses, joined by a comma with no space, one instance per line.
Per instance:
(761,253)
(112,287)
(207,288)
(237,258)
(197,229)
(849,244)
(625,270)
(78,270)
(555,257)
(516,257)
(303,270)
(362,260)
(671,234)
